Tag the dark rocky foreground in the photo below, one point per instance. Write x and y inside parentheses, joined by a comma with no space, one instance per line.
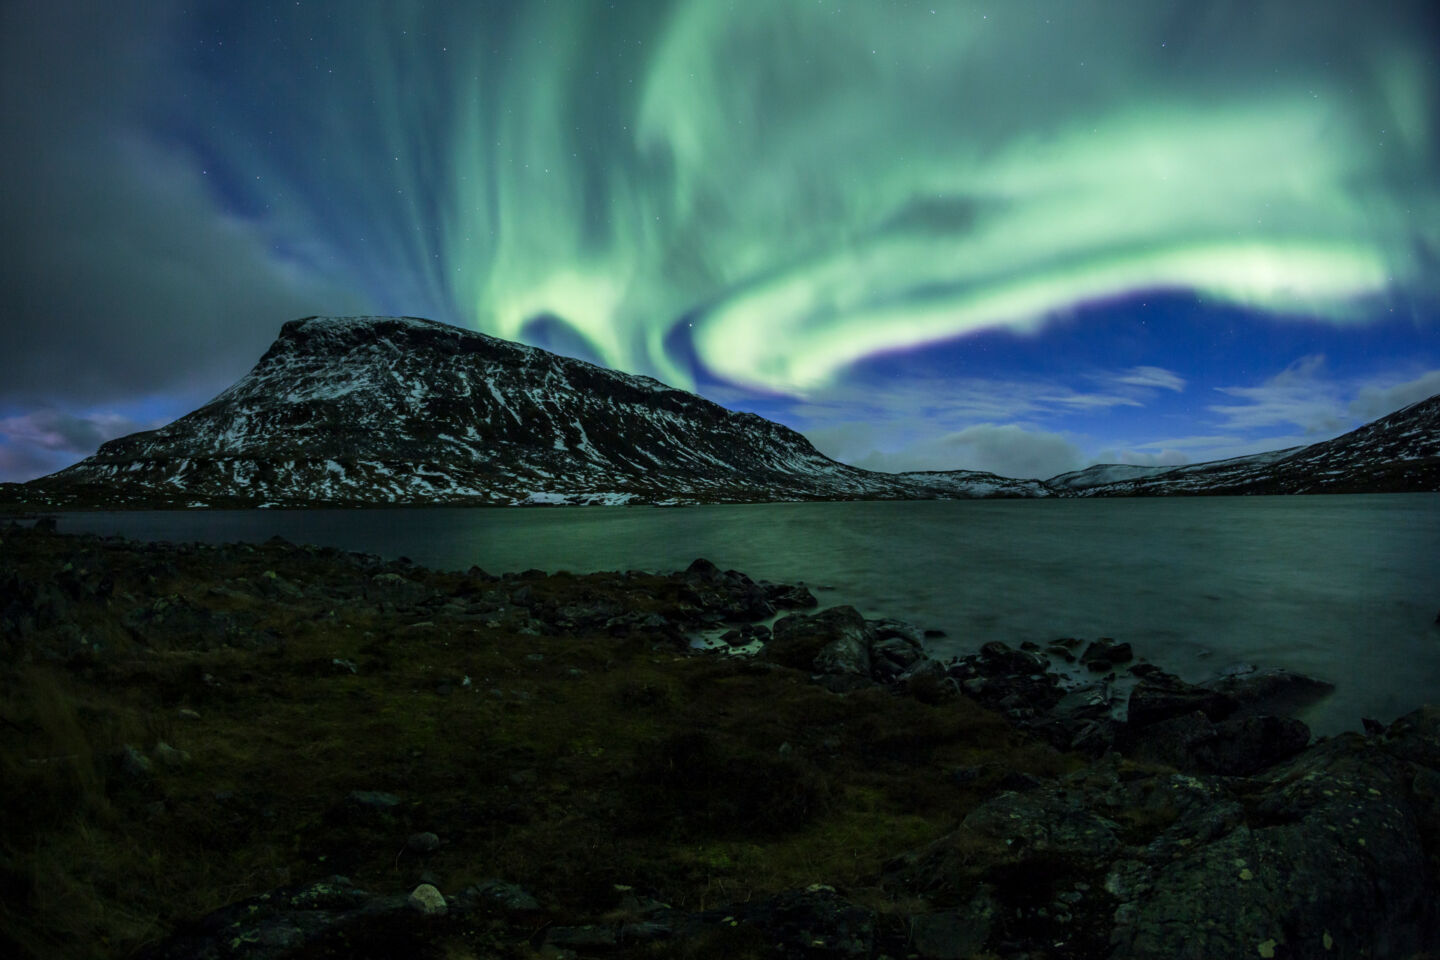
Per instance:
(283,751)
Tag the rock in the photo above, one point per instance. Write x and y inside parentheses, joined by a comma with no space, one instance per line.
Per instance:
(276,587)
(422,843)
(1415,738)
(814,922)
(133,763)
(1107,651)
(703,569)
(1269,691)
(998,659)
(1163,696)
(954,934)
(887,629)
(507,897)
(284,923)
(426,900)
(1047,822)
(798,639)
(1238,746)
(396,589)
(1243,746)
(168,756)
(372,799)
(1171,741)
(1083,704)
(893,653)
(847,654)
(1332,864)
(785,596)
(926,681)
(1016,682)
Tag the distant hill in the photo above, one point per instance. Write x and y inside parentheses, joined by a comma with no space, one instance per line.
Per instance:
(1399,452)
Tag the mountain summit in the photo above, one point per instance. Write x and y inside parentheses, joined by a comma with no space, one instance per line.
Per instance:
(393,410)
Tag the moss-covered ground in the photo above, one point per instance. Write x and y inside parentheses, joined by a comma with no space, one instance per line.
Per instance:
(576,758)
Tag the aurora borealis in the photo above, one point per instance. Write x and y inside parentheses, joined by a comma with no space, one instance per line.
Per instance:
(1017,236)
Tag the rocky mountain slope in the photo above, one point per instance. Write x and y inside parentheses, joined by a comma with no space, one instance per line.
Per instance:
(1398,452)
(392,410)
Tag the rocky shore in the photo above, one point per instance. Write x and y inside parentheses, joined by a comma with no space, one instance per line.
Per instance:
(277,751)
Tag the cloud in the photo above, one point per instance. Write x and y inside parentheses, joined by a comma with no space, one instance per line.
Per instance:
(1139,458)
(1090,401)
(1010,450)
(18,464)
(42,441)
(121,274)
(1375,401)
(56,430)
(1300,395)
(1152,377)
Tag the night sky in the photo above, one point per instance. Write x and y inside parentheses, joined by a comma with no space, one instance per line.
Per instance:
(1009,235)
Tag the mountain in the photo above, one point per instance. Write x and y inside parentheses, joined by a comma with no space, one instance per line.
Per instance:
(392,410)
(973,484)
(1399,452)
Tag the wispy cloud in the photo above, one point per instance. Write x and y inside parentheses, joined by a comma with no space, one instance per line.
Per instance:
(1300,395)
(1090,401)
(1376,400)
(1152,377)
(1010,450)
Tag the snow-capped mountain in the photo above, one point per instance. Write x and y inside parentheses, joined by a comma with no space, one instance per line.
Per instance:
(1398,452)
(372,410)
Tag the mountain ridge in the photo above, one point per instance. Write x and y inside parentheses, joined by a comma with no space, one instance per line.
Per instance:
(1399,452)
(378,411)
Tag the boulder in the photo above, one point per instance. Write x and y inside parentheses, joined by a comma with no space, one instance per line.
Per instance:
(427,900)
(1269,691)
(702,569)
(891,656)
(504,897)
(785,596)
(847,654)
(1242,746)
(1106,651)
(954,934)
(1164,696)
(798,640)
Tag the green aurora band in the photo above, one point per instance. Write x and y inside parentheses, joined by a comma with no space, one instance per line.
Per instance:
(787,188)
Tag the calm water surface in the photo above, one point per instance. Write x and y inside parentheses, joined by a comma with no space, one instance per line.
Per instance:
(1340,587)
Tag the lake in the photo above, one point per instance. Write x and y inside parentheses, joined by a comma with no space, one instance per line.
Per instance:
(1345,588)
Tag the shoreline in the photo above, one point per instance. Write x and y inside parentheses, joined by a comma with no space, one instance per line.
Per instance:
(189,727)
